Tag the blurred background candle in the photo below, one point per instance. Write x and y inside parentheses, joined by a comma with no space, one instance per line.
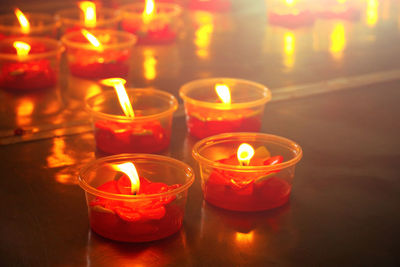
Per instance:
(291,14)
(153,23)
(136,197)
(220,105)
(145,127)
(99,54)
(29,63)
(210,5)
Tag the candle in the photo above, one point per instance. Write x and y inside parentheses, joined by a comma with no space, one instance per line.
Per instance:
(337,9)
(99,54)
(29,63)
(136,197)
(237,177)
(291,14)
(24,24)
(153,23)
(220,105)
(146,127)
(210,5)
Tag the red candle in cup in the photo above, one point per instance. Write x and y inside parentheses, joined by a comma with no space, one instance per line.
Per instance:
(148,130)
(210,5)
(136,198)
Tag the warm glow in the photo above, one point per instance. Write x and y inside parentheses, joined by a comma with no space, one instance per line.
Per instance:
(130,170)
(244,238)
(118,84)
(25,26)
(223,92)
(22,48)
(341,1)
(92,39)
(149,64)
(290,2)
(24,111)
(203,34)
(148,12)
(244,154)
(372,12)
(289,46)
(338,40)
(89,10)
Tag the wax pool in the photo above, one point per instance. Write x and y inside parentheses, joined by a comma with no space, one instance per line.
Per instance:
(137,220)
(131,137)
(241,191)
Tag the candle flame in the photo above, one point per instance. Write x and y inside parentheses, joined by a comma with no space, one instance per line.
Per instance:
(148,12)
(22,48)
(25,25)
(290,2)
(130,170)
(92,39)
(223,92)
(244,154)
(118,84)
(89,10)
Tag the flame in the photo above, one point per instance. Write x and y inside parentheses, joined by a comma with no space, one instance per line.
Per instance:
(118,84)
(223,92)
(148,12)
(338,40)
(89,10)
(22,48)
(25,26)
(372,12)
(289,47)
(244,154)
(92,39)
(290,2)
(149,64)
(130,170)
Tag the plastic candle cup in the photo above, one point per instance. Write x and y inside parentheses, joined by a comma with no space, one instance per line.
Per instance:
(88,61)
(139,205)
(263,182)
(207,114)
(29,63)
(149,131)
(153,23)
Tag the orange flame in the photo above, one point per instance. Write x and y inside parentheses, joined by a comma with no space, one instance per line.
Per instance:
(89,10)
(118,84)
(25,25)
(130,170)
(149,10)
(92,39)
(22,48)
(244,154)
(223,93)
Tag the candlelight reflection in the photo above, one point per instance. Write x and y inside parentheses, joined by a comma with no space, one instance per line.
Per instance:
(338,40)
(372,12)
(149,64)
(289,49)
(205,22)
(24,110)
(244,239)
(59,156)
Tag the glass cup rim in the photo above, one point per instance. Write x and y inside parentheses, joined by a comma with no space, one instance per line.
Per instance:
(62,15)
(53,23)
(131,40)
(157,158)
(58,48)
(246,137)
(184,90)
(172,108)
(176,9)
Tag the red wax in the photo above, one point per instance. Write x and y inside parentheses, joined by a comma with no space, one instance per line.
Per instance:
(346,14)
(242,192)
(302,19)
(135,221)
(211,5)
(162,35)
(201,128)
(145,137)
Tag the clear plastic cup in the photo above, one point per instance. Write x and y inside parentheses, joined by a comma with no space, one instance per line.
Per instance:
(162,28)
(86,61)
(37,70)
(255,187)
(206,115)
(41,25)
(148,132)
(140,217)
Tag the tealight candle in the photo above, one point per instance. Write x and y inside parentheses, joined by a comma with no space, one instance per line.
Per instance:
(290,14)
(337,9)
(29,63)
(28,24)
(121,128)
(210,5)
(99,54)
(220,105)
(247,171)
(136,197)
(153,23)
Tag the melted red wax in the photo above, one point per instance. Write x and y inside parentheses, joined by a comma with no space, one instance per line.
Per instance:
(139,221)
(212,5)
(302,19)
(238,191)
(346,14)
(144,137)
(160,36)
